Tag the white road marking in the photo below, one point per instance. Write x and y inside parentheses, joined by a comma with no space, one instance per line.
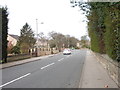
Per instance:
(47,65)
(14,80)
(61,59)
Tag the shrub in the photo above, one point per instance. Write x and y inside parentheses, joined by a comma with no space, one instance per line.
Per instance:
(15,50)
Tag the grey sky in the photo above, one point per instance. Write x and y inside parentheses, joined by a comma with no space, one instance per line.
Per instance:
(57,15)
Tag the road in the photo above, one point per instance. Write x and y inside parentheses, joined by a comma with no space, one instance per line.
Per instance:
(59,71)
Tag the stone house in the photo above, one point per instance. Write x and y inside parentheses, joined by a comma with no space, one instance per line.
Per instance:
(12,39)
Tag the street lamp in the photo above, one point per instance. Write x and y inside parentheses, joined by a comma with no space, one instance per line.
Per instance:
(37,36)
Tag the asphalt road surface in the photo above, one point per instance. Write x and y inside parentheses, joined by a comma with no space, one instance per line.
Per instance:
(59,71)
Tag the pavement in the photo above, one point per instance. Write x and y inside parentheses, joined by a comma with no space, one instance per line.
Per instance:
(15,63)
(94,75)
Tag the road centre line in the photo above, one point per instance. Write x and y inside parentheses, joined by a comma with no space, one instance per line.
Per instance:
(15,80)
(61,59)
(47,65)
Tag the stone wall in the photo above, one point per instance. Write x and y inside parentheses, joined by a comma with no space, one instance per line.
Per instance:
(110,65)
(18,57)
(45,51)
(55,51)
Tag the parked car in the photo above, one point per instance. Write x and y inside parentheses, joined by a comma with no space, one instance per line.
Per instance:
(66,52)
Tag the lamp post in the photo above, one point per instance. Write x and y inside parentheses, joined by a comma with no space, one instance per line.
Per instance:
(37,36)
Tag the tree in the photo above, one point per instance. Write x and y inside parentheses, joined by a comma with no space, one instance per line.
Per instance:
(73,42)
(56,39)
(52,43)
(41,37)
(4,33)
(59,40)
(84,42)
(26,39)
(67,41)
(15,50)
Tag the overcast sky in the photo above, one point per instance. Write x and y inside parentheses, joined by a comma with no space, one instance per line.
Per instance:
(57,15)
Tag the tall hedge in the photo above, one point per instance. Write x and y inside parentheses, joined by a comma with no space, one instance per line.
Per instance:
(111,34)
(107,23)
(4,33)
(96,18)
(92,31)
(103,27)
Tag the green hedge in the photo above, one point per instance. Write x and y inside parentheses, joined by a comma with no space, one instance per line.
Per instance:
(104,28)
(111,23)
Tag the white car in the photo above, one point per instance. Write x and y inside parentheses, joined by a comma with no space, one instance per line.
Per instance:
(66,52)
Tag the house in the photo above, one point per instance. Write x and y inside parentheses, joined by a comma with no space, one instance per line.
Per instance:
(42,44)
(41,48)
(12,39)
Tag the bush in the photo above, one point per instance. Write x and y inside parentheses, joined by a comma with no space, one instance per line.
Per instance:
(15,50)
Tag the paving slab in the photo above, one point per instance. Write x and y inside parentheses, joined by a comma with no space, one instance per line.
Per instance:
(94,75)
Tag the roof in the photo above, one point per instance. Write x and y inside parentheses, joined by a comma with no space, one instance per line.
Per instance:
(14,36)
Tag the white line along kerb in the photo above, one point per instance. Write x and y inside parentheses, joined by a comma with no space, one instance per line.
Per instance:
(14,80)
(47,65)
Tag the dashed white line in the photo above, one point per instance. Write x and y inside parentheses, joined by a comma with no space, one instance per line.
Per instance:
(14,80)
(61,59)
(47,65)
